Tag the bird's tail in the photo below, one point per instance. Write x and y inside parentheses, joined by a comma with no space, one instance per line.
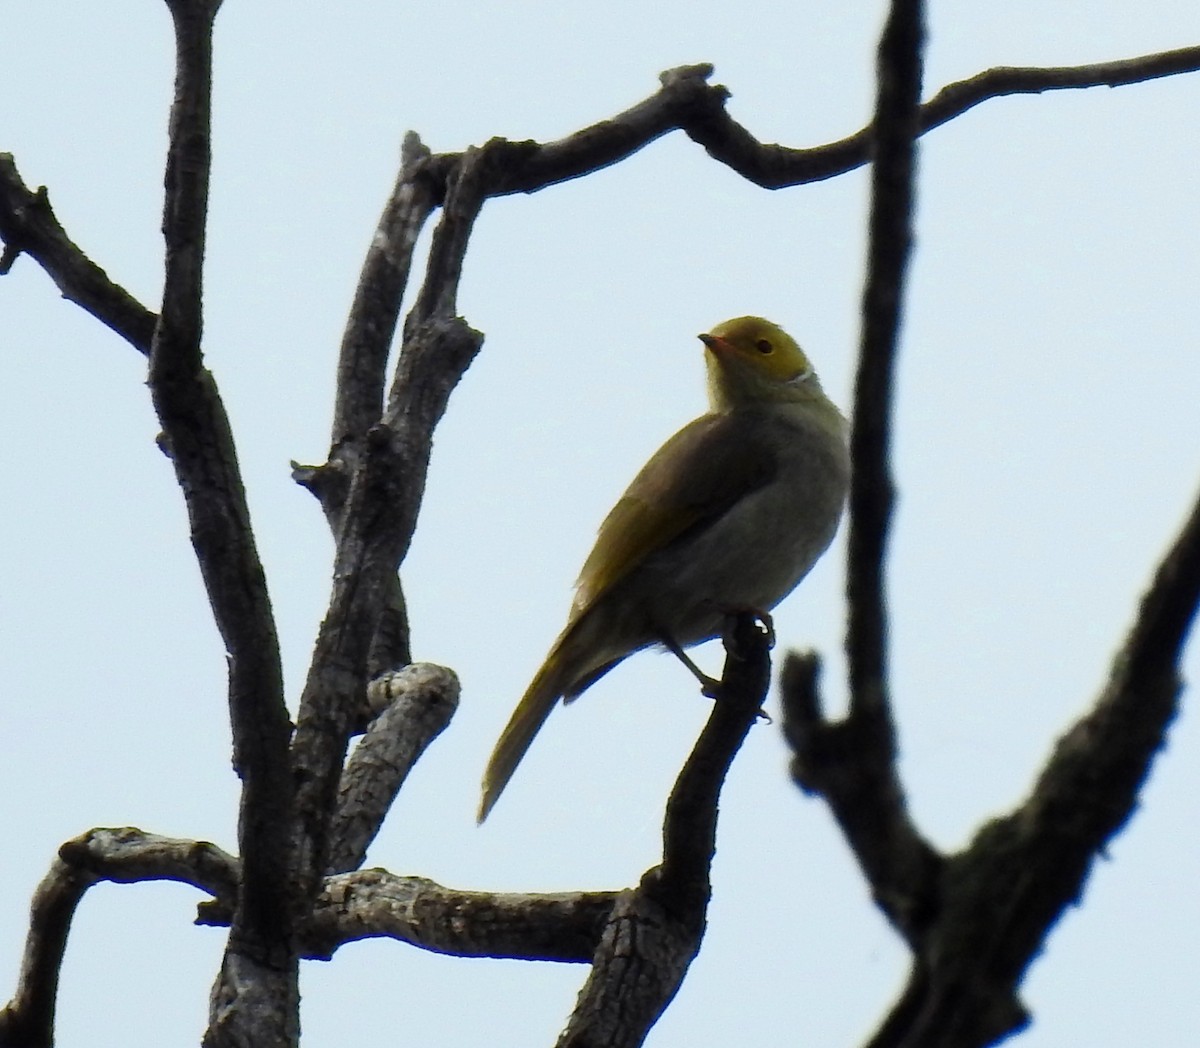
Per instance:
(531,713)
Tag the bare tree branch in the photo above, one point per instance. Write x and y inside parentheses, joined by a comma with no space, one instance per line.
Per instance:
(380,517)
(955,99)
(890,232)
(374,903)
(779,167)
(28,1019)
(684,102)
(392,644)
(303,814)
(257,990)
(415,704)
(362,362)
(654,930)
(974,920)
(690,825)
(201,446)
(376,308)
(121,855)
(852,763)
(1002,894)
(29,225)
(1166,616)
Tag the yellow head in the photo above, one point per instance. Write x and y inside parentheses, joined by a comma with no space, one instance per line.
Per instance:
(751,360)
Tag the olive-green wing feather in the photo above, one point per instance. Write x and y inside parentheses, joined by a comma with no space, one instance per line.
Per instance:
(694,478)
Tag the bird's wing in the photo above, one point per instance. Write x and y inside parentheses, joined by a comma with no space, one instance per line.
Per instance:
(693,479)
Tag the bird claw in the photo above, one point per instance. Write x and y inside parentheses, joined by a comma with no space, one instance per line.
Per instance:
(768,624)
(729,633)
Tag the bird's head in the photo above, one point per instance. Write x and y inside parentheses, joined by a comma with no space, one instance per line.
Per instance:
(750,360)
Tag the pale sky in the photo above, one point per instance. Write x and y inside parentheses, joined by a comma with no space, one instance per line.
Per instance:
(1048,447)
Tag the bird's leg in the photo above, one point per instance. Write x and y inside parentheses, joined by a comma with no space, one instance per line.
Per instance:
(709,686)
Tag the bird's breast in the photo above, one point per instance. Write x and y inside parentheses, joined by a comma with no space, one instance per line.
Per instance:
(755,554)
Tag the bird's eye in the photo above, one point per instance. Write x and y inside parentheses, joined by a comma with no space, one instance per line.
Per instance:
(764,347)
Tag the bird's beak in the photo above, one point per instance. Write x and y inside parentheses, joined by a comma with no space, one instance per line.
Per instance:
(717,345)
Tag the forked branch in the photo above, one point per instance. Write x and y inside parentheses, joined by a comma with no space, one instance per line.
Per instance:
(307,813)
(974,920)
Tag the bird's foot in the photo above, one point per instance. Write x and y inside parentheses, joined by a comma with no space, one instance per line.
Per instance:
(734,619)
(729,633)
(712,687)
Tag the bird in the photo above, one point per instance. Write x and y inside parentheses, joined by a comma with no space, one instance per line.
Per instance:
(728,515)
